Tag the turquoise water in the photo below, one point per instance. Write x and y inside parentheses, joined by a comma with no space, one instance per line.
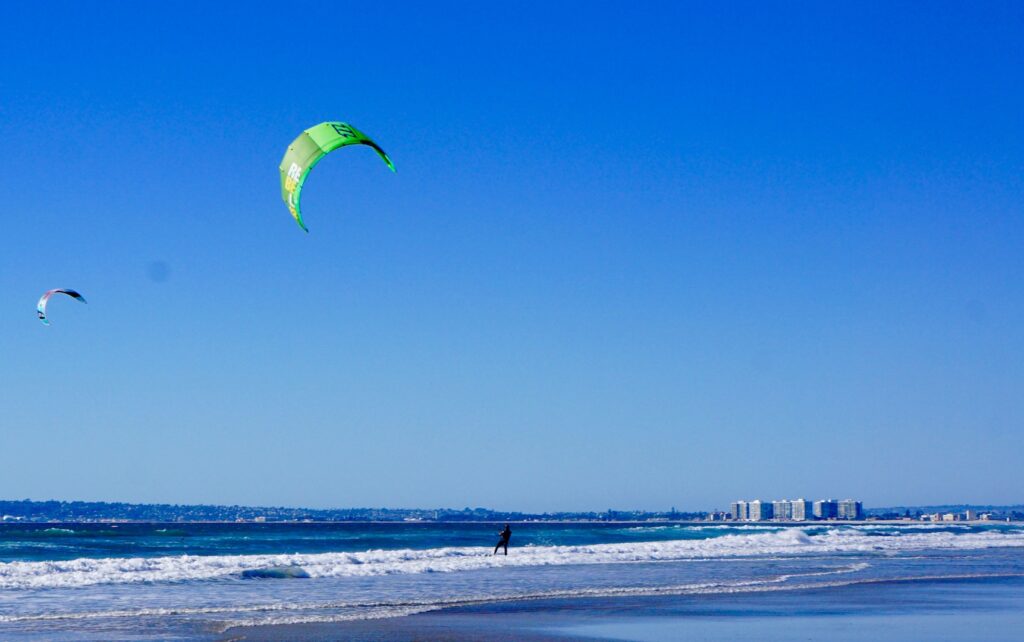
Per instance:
(133,581)
(32,542)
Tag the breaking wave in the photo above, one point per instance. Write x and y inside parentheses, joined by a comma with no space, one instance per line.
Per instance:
(184,568)
(364,610)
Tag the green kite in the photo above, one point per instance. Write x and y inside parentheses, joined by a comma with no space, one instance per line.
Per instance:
(307,150)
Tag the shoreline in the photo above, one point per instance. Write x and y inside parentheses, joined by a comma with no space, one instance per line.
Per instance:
(918,608)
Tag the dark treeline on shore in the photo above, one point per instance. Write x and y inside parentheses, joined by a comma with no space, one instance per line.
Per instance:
(59,511)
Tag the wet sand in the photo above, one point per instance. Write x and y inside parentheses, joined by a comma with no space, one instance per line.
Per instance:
(989,610)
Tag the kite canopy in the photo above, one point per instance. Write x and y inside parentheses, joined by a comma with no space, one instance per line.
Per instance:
(43,300)
(307,150)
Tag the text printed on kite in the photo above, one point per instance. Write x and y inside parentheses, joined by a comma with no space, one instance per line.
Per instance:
(45,299)
(307,150)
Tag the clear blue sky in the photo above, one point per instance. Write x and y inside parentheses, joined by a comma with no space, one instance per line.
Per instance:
(635,255)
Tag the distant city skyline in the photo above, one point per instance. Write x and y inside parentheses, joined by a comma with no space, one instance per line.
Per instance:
(796,509)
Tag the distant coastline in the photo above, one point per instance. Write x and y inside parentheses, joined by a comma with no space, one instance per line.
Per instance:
(30,511)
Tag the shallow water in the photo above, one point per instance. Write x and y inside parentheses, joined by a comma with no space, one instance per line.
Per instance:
(974,610)
(153,580)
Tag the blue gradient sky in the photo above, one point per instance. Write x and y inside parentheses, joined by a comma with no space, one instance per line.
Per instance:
(634,256)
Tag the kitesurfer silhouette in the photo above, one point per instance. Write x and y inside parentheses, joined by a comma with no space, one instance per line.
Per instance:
(503,542)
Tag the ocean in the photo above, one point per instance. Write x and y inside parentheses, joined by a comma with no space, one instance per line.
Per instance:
(196,581)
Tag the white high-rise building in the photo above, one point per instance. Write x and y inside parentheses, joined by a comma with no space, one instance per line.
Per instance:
(801,510)
(782,509)
(850,509)
(826,509)
(759,511)
(738,510)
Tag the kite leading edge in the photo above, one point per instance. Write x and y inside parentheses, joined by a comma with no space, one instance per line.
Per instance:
(43,300)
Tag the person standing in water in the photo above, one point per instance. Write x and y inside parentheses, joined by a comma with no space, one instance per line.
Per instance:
(503,542)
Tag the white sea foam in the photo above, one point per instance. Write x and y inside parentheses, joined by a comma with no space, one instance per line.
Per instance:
(290,613)
(363,610)
(793,541)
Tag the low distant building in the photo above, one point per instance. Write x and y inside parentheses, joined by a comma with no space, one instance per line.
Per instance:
(801,510)
(850,509)
(949,517)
